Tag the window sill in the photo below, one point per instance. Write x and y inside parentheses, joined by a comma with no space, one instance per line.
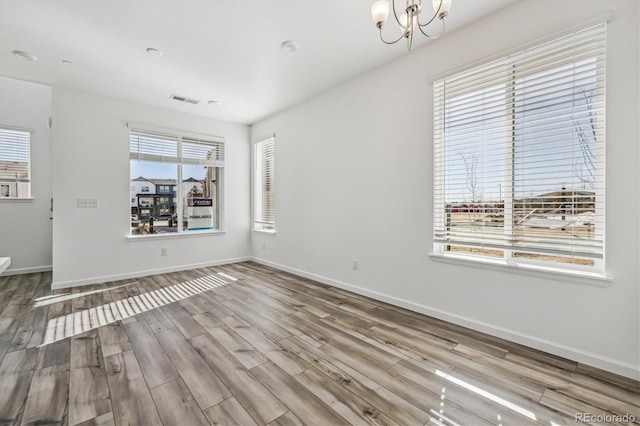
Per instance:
(16,200)
(582,277)
(170,235)
(271,232)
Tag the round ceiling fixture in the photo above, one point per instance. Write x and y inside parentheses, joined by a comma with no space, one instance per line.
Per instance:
(25,56)
(154,52)
(215,103)
(290,46)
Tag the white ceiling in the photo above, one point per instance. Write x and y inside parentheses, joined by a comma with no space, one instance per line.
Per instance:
(213,50)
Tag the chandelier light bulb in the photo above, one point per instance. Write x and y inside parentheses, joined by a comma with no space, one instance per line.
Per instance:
(380,12)
(441,8)
(403,20)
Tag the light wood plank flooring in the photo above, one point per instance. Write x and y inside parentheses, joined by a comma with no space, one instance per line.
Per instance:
(245,344)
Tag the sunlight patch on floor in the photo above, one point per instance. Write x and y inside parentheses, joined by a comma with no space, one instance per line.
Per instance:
(56,298)
(78,322)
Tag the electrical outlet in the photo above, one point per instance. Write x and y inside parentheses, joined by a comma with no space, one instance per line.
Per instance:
(355,264)
(88,203)
(164,251)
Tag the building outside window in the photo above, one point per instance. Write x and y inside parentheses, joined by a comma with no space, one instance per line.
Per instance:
(165,158)
(519,157)
(15,163)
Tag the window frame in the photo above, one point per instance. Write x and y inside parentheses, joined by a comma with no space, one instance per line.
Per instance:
(597,270)
(262,227)
(29,196)
(180,162)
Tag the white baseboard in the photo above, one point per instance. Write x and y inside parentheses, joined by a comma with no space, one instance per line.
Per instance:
(574,354)
(31,270)
(137,274)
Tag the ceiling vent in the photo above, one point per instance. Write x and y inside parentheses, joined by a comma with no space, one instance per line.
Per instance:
(185,99)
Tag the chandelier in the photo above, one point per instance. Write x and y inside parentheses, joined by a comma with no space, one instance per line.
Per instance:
(409,19)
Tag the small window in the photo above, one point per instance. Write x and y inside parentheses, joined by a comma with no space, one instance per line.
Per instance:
(144,189)
(15,163)
(264,191)
(145,201)
(5,190)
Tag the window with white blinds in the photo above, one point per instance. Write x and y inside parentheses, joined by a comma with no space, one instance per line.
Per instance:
(175,181)
(264,208)
(148,145)
(519,146)
(15,163)
(198,151)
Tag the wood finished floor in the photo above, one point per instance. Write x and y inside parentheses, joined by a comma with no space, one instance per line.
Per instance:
(272,348)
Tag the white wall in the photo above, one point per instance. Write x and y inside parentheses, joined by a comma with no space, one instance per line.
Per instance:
(91,160)
(25,226)
(354,180)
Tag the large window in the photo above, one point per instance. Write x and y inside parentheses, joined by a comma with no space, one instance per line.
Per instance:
(15,163)
(519,156)
(182,177)
(264,195)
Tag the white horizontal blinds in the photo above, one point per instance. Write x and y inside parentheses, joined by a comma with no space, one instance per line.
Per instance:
(519,150)
(15,156)
(264,184)
(470,136)
(206,152)
(147,145)
(559,131)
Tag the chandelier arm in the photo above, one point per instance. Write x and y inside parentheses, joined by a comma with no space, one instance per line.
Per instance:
(435,14)
(395,15)
(390,42)
(433,36)
(428,22)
